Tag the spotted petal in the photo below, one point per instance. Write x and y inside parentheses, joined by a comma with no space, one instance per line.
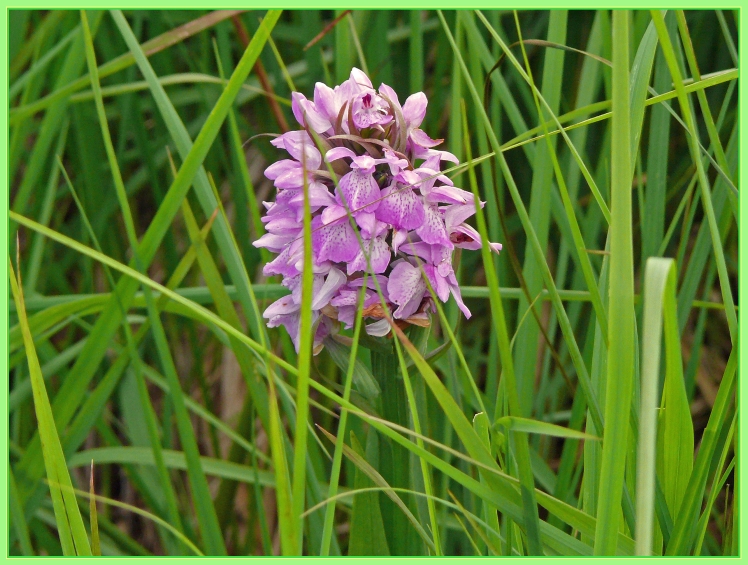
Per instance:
(405,288)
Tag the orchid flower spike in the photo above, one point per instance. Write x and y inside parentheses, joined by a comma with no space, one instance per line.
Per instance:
(393,215)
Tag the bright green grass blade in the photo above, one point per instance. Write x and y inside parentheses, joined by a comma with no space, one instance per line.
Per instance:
(227,312)
(161,522)
(620,301)
(481,425)
(204,509)
(537,249)
(526,425)
(583,167)
(144,399)
(72,391)
(249,189)
(706,196)
(581,248)
(425,471)
(43,62)
(527,136)
(180,136)
(641,71)
(327,531)
(36,254)
(249,90)
(305,343)
(70,525)
(506,499)
(150,415)
(531,520)
(653,223)
(675,428)
(49,22)
(376,477)
(711,129)
(539,209)
(287,522)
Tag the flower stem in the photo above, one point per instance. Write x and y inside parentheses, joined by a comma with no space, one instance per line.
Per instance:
(394,460)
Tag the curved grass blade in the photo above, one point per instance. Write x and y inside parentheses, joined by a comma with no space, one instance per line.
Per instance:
(706,196)
(72,532)
(71,393)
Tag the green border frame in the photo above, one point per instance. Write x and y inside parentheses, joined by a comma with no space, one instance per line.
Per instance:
(297,5)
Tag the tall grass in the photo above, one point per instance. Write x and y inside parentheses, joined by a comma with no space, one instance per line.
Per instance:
(587,407)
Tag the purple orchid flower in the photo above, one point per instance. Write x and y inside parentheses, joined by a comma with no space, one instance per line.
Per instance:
(393,218)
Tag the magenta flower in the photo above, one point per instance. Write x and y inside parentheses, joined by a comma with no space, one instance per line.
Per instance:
(393,214)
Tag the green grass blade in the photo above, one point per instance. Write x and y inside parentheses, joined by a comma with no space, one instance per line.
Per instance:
(367,535)
(338,453)
(706,196)
(685,522)
(536,248)
(72,391)
(151,420)
(181,138)
(17,519)
(70,525)
(526,425)
(675,427)
(621,301)
(531,520)
(95,541)
(151,47)
(306,340)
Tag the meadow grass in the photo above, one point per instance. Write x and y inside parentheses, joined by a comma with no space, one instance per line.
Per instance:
(588,407)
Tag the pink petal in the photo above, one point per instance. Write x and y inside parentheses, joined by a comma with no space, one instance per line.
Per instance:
(433,230)
(379,255)
(455,215)
(421,138)
(405,288)
(440,286)
(303,108)
(401,207)
(458,298)
(389,93)
(359,190)
(324,100)
(359,80)
(336,242)
(414,109)
(279,167)
(322,295)
(338,153)
(284,305)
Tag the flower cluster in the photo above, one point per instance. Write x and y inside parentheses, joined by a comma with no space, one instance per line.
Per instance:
(409,215)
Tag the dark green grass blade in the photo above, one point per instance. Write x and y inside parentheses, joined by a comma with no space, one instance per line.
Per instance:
(72,391)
